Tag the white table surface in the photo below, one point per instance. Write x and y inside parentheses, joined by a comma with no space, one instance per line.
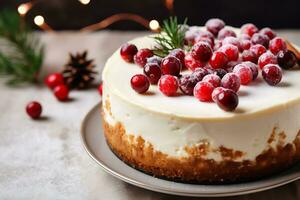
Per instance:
(45,159)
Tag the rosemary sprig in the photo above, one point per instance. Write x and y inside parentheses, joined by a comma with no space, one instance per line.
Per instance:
(171,37)
(21,54)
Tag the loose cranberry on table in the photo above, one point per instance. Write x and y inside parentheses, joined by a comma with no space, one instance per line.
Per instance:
(227,100)
(253,68)
(266,58)
(258,38)
(201,51)
(220,72)
(170,65)
(209,41)
(286,59)
(54,80)
(34,109)
(225,32)
(203,91)
(231,81)
(248,55)
(153,72)
(218,60)
(127,52)
(216,92)
(168,85)
(272,74)
(61,92)
(258,49)
(249,29)
(277,44)
(245,45)
(212,79)
(140,83)
(154,59)
(244,72)
(268,32)
(214,25)
(231,51)
(178,53)
(192,63)
(231,40)
(140,58)
(100,89)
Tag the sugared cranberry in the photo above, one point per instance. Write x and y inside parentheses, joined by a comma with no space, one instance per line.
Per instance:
(216,92)
(153,72)
(258,38)
(34,109)
(258,49)
(244,36)
(249,29)
(286,59)
(227,100)
(54,80)
(168,85)
(140,83)
(277,44)
(192,63)
(201,51)
(230,65)
(248,55)
(231,40)
(61,92)
(205,34)
(209,41)
(218,60)
(268,32)
(200,73)
(244,72)
(140,58)
(225,32)
(245,45)
(214,25)
(171,65)
(203,91)
(272,74)
(218,45)
(127,52)
(231,81)
(188,81)
(220,72)
(253,68)
(231,51)
(212,79)
(154,59)
(100,89)
(266,58)
(179,54)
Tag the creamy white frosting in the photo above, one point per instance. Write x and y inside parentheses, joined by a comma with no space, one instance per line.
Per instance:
(172,123)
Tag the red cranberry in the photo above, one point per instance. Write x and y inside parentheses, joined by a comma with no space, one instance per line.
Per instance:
(248,55)
(231,51)
(245,44)
(218,60)
(258,49)
(231,65)
(170,65)
(214,25)
(209,41)
(258,38)
(218,45)
(253,68)
(179,54)
(191,63)
(140,83)
(205,34)
(187,83)
(244,36)
(268,32)
(272,74)
(34,109)
(249,29)
(201,51)
(266,58)
(216,92)
(244,72)
(231,40)
(199,73)
(277,44)
(127,52)
(227,100)
(286,59)
(54,80)
(220,72)
(154,59)
(153,72)
(61,92)
(140,58)
(100,89)
(168,85)
(212,79)
(203,91)
(225,32)
(231,81)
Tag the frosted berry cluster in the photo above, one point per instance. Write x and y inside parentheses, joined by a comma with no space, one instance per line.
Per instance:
(216,65)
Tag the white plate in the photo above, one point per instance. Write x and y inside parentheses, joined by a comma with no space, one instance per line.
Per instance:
(95,145)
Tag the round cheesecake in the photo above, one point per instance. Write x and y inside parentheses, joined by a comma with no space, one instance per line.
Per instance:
(183,139)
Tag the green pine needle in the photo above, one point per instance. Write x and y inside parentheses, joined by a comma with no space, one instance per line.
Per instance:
(171,37)
(21,54)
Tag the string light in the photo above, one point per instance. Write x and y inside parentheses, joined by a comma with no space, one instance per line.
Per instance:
(24,8)
(85,2)
(154,25)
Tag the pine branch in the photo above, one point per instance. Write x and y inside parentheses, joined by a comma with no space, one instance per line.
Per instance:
(171,37)
(21,54)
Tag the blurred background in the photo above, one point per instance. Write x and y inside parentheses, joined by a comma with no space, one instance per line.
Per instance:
(76,14)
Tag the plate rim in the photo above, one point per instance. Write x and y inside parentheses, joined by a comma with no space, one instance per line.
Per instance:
(137,183)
